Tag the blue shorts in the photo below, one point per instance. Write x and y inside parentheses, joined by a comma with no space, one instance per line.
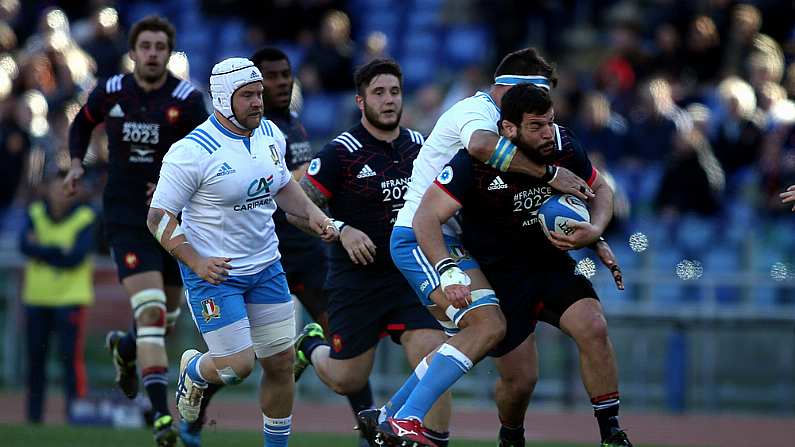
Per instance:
(418,271)
(214,307)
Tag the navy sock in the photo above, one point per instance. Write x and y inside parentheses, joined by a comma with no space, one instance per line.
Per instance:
(441,439)
(310,344)
(512,434)
(361,400)
(155,381)
(605,408)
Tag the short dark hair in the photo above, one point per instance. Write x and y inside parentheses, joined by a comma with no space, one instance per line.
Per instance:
(269,54)
(153,23)
(365,74)
(526,62)
(521,99)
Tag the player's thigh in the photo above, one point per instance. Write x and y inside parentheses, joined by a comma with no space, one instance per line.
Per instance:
(271,312)
(357,319)
(138,257)
(220,314)
(571,303)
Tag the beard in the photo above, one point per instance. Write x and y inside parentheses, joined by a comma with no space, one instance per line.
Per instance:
(372,117)
(150,77)
(534,153)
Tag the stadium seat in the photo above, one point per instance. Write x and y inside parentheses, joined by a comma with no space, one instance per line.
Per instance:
(466,45)
(721,262)
(663,262)
(322,114)
(695,234)
(417,70)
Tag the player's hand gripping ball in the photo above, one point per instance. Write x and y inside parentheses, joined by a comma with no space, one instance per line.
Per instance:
(558,211)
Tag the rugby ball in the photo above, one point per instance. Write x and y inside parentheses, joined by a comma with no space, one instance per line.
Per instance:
(559,210)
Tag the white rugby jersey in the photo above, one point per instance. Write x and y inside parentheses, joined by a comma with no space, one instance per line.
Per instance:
(224,185)
(450,134)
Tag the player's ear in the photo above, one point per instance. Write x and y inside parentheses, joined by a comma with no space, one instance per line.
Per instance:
(360,102)
(508,129)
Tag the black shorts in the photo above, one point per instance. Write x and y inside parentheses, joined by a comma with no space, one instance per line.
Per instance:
(135,250)
(529,296)
(358,318)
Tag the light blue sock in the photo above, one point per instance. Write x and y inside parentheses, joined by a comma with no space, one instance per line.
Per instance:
(276,431)
(448,365)
(399,398)
(194,372)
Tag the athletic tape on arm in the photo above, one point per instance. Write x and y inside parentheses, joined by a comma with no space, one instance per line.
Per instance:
(163,225)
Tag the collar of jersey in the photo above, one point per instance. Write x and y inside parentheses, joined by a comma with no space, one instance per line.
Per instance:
(224,130)
(489,98)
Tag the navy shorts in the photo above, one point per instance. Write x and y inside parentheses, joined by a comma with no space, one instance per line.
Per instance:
(527,296)
(135,250)
(358,318)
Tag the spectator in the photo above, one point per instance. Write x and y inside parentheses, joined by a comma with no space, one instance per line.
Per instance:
(702,52)
(692,179)
(328,65)
(15,143)
(57,239)
(654,123)
(106,44)
(738,141)
(601,130)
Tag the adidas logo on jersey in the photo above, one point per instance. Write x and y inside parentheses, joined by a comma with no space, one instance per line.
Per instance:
(497,183)
(365,172)
(116,112)
(225,169)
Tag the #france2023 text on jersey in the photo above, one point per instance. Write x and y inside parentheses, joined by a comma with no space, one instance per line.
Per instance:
(141,126)
(499,211)
(365,180)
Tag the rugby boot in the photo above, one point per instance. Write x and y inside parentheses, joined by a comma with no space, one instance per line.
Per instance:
(366,423)
(617,439)
(190,434)
(189,394)
(402,433)
(163,428)
(301,359)
(126,375)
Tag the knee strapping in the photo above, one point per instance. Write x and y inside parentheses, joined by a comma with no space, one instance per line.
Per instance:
(172,317)
(151,334)
(148,299)
(271,339)
(480,297)
(229,376)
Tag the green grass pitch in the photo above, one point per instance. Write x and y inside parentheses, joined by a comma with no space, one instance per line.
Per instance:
(63,436)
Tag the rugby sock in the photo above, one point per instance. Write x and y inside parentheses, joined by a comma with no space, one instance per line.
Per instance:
(361,400)
(448,365)
(441,439)
(512,435)
(126,348)
(194,372)
(155,380)
(605,408)
(310,344)
(276,430)
(399,398)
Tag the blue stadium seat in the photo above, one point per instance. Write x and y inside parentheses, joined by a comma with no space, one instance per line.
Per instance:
(322,114)
(695,234)
(420,44)
(138,11)
(723,261)
(417,70)
(466,45)
(664,259)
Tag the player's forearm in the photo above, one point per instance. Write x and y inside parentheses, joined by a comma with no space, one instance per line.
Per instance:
(428,230)
(601,205)
(293,200)
(301,223)
(165,227)
(487,147)
(80,136)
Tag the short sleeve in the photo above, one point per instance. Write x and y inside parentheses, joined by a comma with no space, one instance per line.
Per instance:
(281,145)
(324,170)
(94,108)
(471,119)
(578,162)
(180,178)
(456,177)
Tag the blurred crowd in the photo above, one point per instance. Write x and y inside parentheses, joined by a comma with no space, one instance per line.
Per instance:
(687,104)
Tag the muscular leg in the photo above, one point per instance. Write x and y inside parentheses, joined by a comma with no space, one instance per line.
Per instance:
(150,343)
(518,376)
(343,376)
(584,321)
(276,393)
(417,344)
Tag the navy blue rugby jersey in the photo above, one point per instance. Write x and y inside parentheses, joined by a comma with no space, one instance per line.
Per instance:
(364,180)
(141,127)
(499,214)
(298,249)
